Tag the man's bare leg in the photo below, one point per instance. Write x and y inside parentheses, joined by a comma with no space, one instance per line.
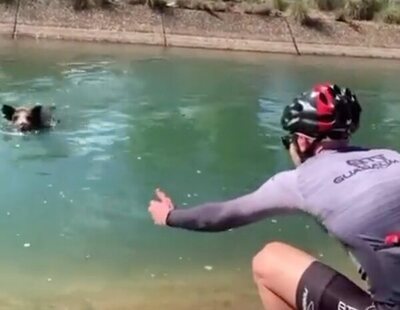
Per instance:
(270,300)
(277,270)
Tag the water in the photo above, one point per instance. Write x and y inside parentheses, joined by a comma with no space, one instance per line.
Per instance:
(74,227)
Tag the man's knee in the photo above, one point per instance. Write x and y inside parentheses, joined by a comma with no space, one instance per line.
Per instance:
(266,262)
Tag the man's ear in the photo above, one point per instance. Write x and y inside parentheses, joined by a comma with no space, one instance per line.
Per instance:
(36,114)
(8,111)
(303,143)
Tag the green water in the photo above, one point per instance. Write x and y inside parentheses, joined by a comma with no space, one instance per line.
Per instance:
(201,125)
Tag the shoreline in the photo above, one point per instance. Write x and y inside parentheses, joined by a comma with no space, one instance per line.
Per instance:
(87,286)
(198,29)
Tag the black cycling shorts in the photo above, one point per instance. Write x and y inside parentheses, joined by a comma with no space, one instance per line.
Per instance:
(323,288)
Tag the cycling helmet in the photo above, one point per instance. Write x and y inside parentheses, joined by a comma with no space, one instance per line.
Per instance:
(327,110)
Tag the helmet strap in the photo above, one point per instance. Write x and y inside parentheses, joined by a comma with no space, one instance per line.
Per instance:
(309,151)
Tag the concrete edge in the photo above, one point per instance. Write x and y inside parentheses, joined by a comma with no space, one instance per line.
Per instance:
(191,41)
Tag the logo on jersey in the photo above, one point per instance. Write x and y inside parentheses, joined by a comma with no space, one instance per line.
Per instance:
(366,163)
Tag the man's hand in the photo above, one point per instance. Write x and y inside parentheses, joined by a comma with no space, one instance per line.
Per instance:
(160,208)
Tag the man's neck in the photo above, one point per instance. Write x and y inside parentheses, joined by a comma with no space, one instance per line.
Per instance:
(331,145)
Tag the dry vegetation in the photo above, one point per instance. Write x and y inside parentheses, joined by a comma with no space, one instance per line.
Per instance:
(387,11)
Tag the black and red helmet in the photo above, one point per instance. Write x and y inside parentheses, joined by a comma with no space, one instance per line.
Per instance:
(327,110)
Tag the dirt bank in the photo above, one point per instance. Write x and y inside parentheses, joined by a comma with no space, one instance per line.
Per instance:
(190,28)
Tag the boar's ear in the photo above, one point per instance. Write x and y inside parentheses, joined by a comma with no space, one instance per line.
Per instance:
(8,111)
(36,114)
(46,116)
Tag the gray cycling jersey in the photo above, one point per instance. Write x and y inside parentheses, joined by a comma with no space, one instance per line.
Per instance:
(354,193)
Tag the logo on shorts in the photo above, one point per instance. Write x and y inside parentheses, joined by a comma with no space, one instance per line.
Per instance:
(310,305)
(343,306)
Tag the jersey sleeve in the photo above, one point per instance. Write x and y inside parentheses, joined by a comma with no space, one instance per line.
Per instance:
(277,195)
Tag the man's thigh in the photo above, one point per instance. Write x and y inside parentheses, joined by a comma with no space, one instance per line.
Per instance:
(323,288)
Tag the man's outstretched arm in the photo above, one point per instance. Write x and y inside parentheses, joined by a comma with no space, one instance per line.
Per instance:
(276,196)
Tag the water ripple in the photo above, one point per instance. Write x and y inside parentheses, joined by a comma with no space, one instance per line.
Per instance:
(102,130)
(270,112)
(92,73)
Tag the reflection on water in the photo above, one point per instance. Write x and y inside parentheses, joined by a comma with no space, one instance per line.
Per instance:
(74,227)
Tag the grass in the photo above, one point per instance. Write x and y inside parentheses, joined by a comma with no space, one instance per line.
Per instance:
(280,5)
(387,11)
(80,5)
(299,10)
(329,5)
(391,14)
(362,9)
